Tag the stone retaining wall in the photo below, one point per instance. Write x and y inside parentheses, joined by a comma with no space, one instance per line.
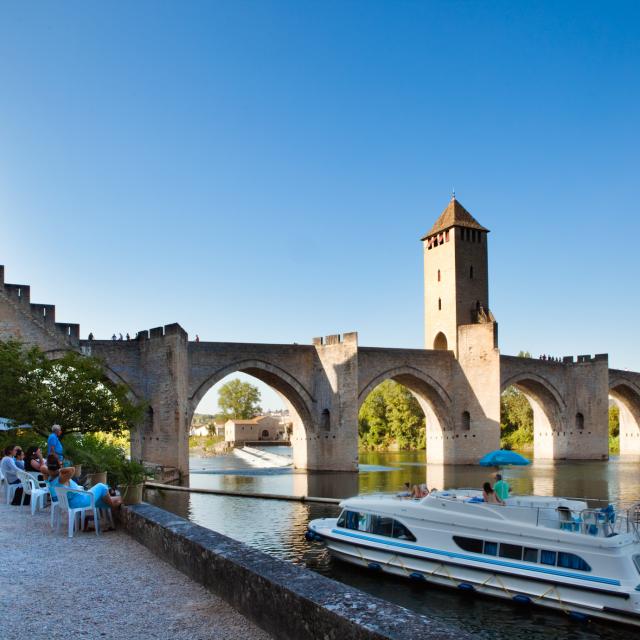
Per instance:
(288,601)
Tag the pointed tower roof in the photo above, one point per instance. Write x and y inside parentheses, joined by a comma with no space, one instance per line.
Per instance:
(455,215)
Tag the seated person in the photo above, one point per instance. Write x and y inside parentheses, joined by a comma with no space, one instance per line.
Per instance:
(10,470)
(501,487)
(406,491)
(19,458)
(63,477)
(33,461)
(8,464)
(490,495)
(418,492)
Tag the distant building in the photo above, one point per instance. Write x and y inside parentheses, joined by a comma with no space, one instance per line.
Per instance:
(202,430)
(259,428)
(219,427)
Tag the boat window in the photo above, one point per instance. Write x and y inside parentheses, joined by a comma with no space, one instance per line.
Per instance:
(513,551)
(548,557)
(401,532)
(530,555)
(364,522)
(572,561)
(491,548)
(636,561)
(468,544)
(381,525)
(351,520)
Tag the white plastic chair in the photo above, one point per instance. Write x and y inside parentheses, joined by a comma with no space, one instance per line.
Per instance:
(11,488)
(30,487)
(63,505)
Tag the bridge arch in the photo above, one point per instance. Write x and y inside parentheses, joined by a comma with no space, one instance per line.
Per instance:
(433,399)
(549,410)
(626,395)
(297,399)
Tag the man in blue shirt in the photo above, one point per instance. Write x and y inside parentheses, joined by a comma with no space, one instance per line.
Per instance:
(53,442)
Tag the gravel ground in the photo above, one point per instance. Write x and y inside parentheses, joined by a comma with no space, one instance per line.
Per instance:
(108,587)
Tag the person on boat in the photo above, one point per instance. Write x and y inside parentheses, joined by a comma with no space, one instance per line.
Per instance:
(489,494)
(406,491)
(419,491)
(501,487)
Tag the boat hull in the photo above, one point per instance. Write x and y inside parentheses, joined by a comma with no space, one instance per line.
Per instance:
(578,601)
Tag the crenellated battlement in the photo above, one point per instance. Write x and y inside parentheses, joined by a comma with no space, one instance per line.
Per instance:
(44,315)
(336,338)
(160,332)
(20,293)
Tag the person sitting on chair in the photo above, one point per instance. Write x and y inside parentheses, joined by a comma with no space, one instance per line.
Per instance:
(33,461)
(63,477)
(10,470)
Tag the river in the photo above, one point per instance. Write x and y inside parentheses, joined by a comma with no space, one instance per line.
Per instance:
(278,528)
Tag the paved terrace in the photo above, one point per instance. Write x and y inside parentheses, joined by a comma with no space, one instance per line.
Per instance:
(100,587)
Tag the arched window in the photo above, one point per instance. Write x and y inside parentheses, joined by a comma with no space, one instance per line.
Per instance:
(466,421)
(440,342)
(471,272)
(438,275)
(325,420)
(265,433)
(439,304)
(579,421)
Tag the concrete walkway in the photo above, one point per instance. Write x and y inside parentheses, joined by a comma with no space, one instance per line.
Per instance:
(109,587)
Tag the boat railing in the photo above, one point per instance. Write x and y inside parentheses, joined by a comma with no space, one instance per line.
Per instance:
(607,521)
(611,521)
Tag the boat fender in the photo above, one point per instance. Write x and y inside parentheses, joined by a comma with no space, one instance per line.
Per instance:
(577,615)
(520,598)
(466,586)
(312,536)
(418,577)
(374,566)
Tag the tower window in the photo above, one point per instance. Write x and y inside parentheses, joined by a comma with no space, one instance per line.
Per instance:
(439,304)
(438,275)
(579,421)
(466,421)
(471,272)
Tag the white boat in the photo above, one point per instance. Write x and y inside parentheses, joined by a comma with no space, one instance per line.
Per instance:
(553,552)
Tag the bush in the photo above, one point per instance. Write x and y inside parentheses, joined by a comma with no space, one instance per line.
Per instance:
(94,452)
(129,472)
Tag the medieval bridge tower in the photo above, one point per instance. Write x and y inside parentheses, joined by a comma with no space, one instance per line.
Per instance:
(457,377)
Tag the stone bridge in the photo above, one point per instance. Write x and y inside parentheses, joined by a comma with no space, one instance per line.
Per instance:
(324,383)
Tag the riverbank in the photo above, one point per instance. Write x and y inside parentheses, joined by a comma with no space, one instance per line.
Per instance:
(108,586)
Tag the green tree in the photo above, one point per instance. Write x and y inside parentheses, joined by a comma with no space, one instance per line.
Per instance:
(239,400)
(72,391)
(516,419)
(614,421)
(391,415)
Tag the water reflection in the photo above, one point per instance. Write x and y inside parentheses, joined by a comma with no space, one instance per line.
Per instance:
(278,527)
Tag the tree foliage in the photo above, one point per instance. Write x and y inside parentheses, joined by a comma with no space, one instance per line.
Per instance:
(239,400)
(391,416)
(72,391)
(516,419)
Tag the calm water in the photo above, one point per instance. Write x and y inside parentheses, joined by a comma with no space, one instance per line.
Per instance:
(278,527)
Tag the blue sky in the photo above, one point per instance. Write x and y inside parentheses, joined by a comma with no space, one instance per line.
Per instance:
(263,171)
